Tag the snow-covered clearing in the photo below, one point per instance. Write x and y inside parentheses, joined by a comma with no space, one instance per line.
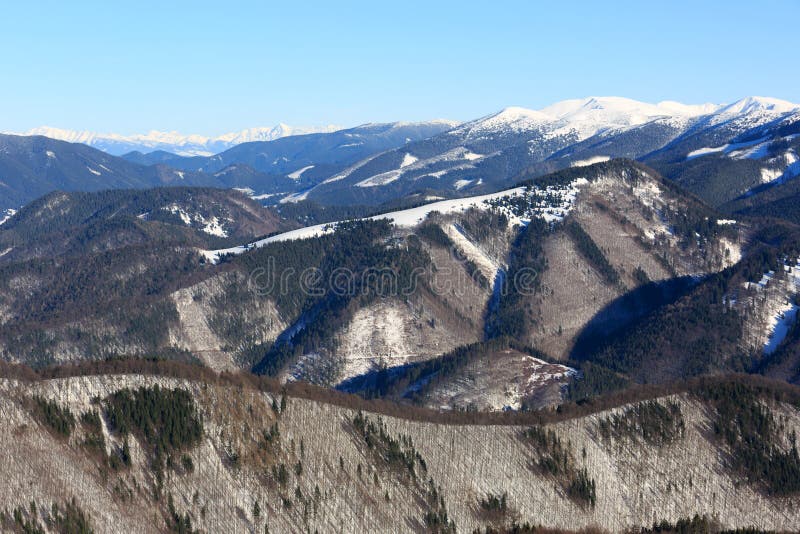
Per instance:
(212,226)
(726,148)
(295,197)
(589,161)
(472,252)
(779,302)
(380,179)
(299,172)
(408,159)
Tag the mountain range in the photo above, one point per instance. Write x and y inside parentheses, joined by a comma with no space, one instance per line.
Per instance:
(175,142)
(486,153)
(31,166)
(720,152)
(577,316)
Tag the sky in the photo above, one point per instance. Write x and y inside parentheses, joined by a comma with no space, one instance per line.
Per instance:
(214,67)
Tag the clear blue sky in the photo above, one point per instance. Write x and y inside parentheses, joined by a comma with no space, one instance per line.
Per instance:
(213,67)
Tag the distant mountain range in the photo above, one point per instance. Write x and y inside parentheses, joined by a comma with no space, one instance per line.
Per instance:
(32,166)
(492,151)
(719,152)
(174,142)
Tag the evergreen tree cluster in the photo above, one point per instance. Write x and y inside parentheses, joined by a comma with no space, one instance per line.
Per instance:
(556,459)
(59,419)
(396,452)
(650,421)
(166,419)
(747,426)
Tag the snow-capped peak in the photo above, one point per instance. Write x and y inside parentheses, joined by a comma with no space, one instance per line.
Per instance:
(512,118)
(584,117)
(515,113)
(755,104)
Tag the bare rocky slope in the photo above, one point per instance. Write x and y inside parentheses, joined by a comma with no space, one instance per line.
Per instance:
(293,464)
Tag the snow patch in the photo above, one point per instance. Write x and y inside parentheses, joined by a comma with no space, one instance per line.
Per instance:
(380,179)
(6,215)
(770,175)
(589,161)
(180,212)
(214,227)
(730,147)
(705,151)
(472,252)
(408,159)
(264,196)
(295,197)
(299,172)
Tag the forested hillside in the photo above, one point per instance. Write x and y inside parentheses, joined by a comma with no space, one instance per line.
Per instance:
(178,449)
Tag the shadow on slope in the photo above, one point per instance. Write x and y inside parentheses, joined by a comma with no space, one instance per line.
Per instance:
(626,310)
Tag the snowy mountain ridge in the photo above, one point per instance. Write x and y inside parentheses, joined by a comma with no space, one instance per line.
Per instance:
(572,132)
(175,142)
(589,116)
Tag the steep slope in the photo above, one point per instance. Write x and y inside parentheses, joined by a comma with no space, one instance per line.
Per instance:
(499,374)
(737,319)
(240,458)
(629,230)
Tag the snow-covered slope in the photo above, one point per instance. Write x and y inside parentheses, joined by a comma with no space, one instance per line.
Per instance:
(585,117)
(494,150)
